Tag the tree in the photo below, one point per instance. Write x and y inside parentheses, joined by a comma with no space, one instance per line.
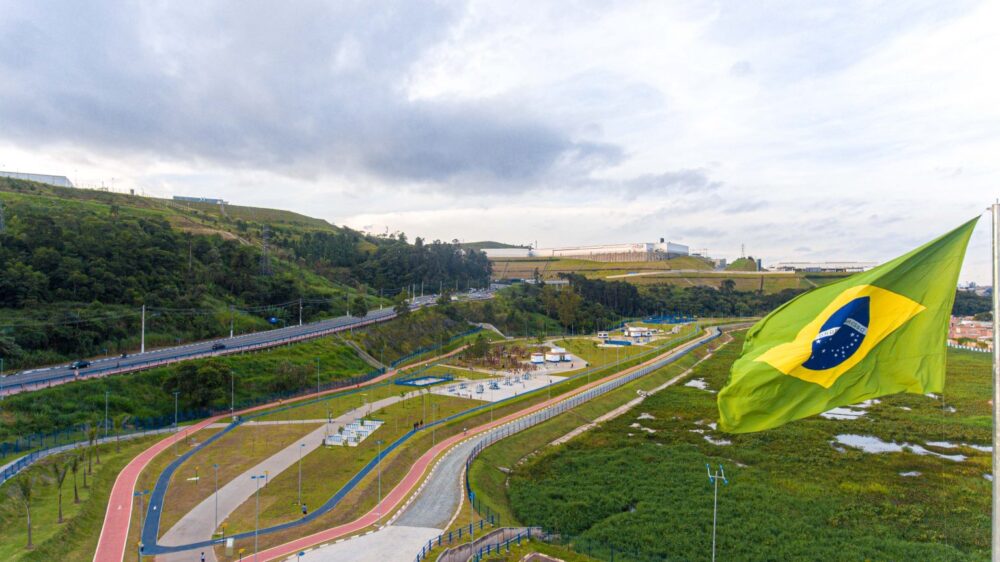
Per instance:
(728,286)
(92,439)
(480,346)
(23,488)
(402,308)
(359,306)
(119,421)
(59,473)
(74,467)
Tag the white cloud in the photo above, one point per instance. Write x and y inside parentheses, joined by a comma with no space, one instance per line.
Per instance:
(840,131)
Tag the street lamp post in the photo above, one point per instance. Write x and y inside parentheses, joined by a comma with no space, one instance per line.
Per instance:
(142,519)
(719,474)
(106,394)
(379,464)
(301,446)
(256,518)
(176,426)
(216,467)
(434,408)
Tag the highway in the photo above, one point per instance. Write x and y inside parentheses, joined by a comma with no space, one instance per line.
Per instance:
(48,376)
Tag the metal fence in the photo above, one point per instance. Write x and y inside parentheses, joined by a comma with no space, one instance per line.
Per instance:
(457,536)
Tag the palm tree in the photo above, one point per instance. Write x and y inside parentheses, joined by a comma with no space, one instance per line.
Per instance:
(84,471)
(74,466)
(23,489)
(119,421)
(59,473)
(91,437)
(96,443)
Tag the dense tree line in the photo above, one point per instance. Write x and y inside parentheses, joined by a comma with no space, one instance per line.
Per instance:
(394,262)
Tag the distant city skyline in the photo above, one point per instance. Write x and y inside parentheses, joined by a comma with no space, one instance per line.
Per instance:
(853,131)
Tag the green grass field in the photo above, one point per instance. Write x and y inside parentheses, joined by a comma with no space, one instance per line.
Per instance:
(792,495)
(76,538)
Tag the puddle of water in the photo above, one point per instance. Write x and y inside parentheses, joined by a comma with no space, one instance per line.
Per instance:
(911,473)
(852,412)
(870,444)
(714,441)
(950,445)
(699,384)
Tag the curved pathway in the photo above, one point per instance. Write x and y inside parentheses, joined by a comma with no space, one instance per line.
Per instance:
(117,518)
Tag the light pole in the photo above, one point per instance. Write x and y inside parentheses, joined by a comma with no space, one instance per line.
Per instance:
(106,394)
(301,446)
(176,427)
(216,467)
(256,518)
(142,519)
(379,464)
(434,408)
(232,395)
(714,479)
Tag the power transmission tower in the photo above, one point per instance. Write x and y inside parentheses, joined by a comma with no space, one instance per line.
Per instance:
(265,259)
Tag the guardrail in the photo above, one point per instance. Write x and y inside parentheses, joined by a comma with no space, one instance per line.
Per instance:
(455,536)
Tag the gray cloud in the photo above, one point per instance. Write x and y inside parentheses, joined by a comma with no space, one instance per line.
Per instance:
(305,92)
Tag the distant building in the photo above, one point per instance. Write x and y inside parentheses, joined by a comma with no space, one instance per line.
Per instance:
(199,200)
(507,252)
(825,266)
(641,251)
(61,181)
(963,329)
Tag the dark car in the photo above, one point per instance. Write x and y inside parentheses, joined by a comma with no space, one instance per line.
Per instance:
(218,345)
(81,364)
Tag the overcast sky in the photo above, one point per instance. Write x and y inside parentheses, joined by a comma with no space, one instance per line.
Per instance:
(805,130)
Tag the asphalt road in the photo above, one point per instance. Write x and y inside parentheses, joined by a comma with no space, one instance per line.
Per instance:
(40,378)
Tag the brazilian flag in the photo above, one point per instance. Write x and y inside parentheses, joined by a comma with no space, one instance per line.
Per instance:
(874,333)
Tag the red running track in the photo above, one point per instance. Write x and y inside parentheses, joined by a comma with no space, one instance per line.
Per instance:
(402,490)
(114,533)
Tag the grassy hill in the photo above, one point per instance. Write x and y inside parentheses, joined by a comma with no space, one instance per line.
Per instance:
(742,264)
(488,244)
(77,264)
(686,271)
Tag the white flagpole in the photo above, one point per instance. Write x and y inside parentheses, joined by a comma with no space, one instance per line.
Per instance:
(996,381)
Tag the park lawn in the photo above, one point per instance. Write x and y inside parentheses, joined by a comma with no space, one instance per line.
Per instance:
(327,469)
(792,494)
(235,453)
(76,537)
(333,404)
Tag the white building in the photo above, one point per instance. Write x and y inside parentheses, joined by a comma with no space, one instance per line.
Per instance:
(61,181)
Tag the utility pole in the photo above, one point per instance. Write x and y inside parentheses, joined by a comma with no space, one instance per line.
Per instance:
(300,311)
(714,480)
(142,337)
(232,321)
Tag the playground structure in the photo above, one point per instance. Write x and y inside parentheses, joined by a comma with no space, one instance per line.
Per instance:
(353,433)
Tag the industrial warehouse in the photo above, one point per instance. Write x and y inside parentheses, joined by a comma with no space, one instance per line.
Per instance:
(630,252)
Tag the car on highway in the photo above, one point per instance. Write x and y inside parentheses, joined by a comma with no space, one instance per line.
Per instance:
(218,345)
(79,364)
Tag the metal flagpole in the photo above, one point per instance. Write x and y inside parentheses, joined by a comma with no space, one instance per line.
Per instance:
(996,380)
